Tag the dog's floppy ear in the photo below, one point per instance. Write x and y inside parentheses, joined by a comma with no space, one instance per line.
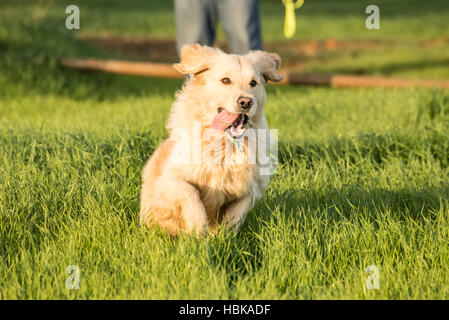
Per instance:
(268,64)
(195,58)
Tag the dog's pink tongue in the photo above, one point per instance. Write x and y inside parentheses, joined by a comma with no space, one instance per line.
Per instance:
(223,120)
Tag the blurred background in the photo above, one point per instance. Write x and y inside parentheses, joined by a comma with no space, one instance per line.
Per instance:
(331,35)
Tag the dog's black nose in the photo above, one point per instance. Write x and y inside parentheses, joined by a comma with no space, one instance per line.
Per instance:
(245,102)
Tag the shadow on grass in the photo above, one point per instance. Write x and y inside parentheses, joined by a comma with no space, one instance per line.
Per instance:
(243,254)
(342,204)
(372,149)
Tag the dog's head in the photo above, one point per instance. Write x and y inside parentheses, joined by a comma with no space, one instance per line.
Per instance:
(230,86)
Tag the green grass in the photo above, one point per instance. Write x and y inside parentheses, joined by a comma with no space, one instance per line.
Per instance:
(363,176)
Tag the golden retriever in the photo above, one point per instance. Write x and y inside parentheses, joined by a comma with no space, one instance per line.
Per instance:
(208,172)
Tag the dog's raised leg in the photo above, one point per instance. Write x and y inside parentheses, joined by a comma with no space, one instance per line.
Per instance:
(236,211)
(174,200)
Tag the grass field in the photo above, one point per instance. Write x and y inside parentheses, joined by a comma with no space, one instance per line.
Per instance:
(363,177)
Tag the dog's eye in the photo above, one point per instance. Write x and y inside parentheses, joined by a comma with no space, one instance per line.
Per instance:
(226,81)
(253,83)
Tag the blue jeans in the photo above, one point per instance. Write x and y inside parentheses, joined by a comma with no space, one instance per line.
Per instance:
(196,22)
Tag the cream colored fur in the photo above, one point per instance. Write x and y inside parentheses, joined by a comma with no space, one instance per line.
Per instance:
(186,190)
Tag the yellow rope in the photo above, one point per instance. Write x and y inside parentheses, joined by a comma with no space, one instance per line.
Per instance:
(290,20)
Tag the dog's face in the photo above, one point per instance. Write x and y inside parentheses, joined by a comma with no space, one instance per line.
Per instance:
(227,84)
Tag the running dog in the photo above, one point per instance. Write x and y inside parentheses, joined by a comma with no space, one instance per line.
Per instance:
(208,172)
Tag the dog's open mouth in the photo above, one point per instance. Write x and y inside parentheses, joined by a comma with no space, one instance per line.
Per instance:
(233,124)
(238,127)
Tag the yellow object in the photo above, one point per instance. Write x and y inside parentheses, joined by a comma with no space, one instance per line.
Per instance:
(290,19)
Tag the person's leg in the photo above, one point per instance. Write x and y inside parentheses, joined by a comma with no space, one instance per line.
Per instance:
(241,23)
(195,22)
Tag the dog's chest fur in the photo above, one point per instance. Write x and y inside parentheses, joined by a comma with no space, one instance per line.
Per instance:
(224,182)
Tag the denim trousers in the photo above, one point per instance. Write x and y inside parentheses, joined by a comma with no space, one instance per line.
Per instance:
(196,22)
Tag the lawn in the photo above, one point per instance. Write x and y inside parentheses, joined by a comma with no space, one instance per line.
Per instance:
(363,177)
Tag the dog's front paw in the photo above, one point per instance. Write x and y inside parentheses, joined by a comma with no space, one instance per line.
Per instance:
(197,224)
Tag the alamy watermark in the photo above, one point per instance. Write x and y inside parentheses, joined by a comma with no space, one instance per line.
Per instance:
(73,20)
(73,280)
(373,20)
(200,145)
(373,280)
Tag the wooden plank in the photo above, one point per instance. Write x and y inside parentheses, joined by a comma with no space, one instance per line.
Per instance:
(146,69)
(341,81)
(161,70)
